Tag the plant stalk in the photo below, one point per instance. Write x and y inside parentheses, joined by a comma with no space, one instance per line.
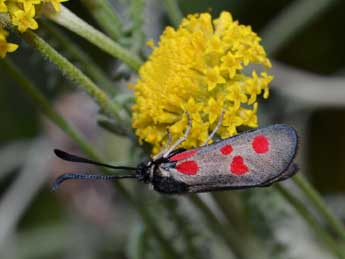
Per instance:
(110,108)
(319,204)
(314,224)
(106,16)
(83,59)
(73,23)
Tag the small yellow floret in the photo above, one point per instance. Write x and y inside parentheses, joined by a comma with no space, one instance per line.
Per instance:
(24,19)
(56,4)
(3,7)
(150,43)
(5,47)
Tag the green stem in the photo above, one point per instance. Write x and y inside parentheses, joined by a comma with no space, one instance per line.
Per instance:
(291,21)
(314,197)
(110,108)
(72,22)
(45,107)
(232,241)
(84,60)
(106,16)
(155,231)
(170,204)
(173,11)
(42,241)
(230,205)
(315,225)
(136,14)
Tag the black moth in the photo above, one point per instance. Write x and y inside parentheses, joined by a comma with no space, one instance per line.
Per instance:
(256,158)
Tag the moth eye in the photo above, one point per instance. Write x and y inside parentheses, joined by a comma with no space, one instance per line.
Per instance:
(260,144)
(238,166)
(226,150)
(188,167)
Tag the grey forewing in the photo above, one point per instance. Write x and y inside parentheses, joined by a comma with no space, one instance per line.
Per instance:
(214,167)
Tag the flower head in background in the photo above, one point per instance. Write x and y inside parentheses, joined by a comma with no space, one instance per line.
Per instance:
(203,68)
(22,15)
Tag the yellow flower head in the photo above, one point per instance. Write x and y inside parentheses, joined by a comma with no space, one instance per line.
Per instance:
(22,15)
(202,68)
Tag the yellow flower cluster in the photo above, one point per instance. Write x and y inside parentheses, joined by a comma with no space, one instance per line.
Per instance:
(22,15)
(205,68)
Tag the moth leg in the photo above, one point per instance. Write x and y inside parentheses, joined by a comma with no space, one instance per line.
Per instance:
(219,123)
(182,139)
(169,139)
(160,154)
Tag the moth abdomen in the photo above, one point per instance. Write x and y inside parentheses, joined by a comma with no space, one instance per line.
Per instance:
(168,185)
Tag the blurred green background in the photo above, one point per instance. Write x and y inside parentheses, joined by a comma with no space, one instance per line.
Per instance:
(305,40)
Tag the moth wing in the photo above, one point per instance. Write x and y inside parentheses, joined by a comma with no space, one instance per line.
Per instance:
(251,159)
(289,172)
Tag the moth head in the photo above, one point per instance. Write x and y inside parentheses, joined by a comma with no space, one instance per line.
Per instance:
(143,171)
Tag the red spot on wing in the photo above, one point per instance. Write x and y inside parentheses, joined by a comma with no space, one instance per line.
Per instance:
(183,155)
(238,167)
(260,144)
(226,150)
(188,167)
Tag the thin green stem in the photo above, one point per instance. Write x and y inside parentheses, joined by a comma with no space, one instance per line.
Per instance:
(292,20)
(106,16)
(191,250)
(136,14)
(110,108)
(217,227)
(83,59)
(155,231)
(173,11)
(317,201)
(315,225)
(72,22)
(230,205)
(40,242)
(45,107)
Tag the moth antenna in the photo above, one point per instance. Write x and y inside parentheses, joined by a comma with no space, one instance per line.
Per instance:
(78,176)
(77,159)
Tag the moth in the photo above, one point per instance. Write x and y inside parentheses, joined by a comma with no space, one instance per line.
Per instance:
(256,158)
